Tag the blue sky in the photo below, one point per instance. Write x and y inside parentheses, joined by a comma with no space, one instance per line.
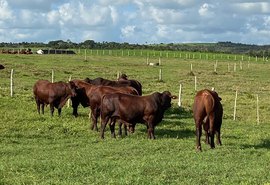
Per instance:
(135,21)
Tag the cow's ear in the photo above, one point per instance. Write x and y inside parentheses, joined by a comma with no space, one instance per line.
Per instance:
(219,98)
(174,97)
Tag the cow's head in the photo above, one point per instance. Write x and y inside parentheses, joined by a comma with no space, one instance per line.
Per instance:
(166,99)
(216,95)
(1,66)
(88,80)
(123,77)
(72,88)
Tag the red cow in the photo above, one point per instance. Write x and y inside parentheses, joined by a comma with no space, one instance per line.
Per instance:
(207,111)
(121,83)
(55,94)
(131,109)
(91,95)
(101,81)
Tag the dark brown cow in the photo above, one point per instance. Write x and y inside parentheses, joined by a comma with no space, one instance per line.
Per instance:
(131,109)
(55,94)
(207,111)
(1,66)
(120,83)
(91,95)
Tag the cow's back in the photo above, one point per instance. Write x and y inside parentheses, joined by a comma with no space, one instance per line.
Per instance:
(48,92)
(41,90)
(98,92)
(128,107)
(204,103)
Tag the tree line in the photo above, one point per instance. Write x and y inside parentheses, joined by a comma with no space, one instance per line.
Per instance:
(219,47)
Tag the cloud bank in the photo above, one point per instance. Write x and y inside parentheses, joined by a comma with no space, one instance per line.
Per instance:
(135,21)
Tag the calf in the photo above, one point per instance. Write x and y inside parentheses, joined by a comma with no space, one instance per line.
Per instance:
(55,94)
(131,109)
(207,111)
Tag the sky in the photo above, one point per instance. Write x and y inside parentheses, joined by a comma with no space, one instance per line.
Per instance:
(136,21)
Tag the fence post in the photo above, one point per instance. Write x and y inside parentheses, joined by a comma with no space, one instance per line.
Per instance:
(52,76)
(195,83)
(234,111)
(68,103)
(258,118)
(11,82)
(118,75)
(180,94)
(160,75)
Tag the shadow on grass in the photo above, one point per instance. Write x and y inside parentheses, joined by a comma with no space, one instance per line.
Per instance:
(265,143)
(178,112)
(179,134)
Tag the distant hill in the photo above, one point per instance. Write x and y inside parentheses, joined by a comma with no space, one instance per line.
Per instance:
(219,47)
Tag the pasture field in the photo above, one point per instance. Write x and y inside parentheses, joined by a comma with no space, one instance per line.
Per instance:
(40,149)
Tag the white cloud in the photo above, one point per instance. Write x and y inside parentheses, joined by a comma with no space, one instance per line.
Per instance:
(252,7)
(5,11)
(135,21)
(206,10)
(128,31)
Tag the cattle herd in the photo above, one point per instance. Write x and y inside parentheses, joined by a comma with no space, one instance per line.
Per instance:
(122,101)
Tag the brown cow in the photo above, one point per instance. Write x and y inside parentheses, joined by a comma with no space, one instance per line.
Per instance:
(207,111)
(55,94)
(120,83)
(90,95)
(131,109)
(101,81)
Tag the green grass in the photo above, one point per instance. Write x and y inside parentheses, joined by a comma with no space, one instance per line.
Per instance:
(62,150)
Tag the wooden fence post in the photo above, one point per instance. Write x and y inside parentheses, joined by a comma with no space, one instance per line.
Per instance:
(68,103)
(180,94)
(195,83)
(11,82)
(52,76)
(258,118)
(160,75)
(234,111)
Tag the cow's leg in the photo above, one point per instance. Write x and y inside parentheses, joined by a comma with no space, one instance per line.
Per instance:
(131,128)
(38,106)
(125,129)
(218,137)
(59,111)
(112,128)
(52,109)
(104,122)
(75,105)
(42,107)
(120,129)
(94,120)
(206,130)
(150,130)
(198,134)
(212,130)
